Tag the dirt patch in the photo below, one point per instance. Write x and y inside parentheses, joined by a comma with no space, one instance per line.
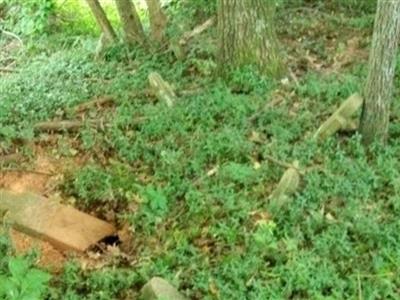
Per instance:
(42,177)
(352,52)
(20,182)
(49,257)
(39,181)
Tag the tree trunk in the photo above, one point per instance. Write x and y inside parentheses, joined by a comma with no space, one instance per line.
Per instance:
(102,20)
(382,61)
(131,24)
(158,20)
(247,35)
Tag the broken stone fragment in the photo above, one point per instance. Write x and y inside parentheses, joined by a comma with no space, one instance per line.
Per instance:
(160,289)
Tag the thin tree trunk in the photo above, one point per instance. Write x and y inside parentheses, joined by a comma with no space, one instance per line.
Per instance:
(102,20)
(131,24)
(158,20)
(247,35)
(382,61)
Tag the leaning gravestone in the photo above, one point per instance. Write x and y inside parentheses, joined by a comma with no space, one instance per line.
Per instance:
(341,118)
(287,185)
(162,89)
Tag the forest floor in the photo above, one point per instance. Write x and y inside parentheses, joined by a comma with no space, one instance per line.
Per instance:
(188,186)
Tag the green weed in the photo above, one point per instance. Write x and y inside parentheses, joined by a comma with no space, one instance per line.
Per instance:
(19,279)
(193,181)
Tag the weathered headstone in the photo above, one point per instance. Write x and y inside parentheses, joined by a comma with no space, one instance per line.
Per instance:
(160,289)
(288,184)
(341,118)
(162,89)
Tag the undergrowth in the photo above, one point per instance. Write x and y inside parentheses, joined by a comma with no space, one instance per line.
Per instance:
(193,181)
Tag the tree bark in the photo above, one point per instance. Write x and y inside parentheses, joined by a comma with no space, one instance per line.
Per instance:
(158,20)
(378,88)
(102,20)
(247,35)
(131,24)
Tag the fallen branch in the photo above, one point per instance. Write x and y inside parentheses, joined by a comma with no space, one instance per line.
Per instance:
(294,77)
(98,102)
(301,171)
(23,170)
(187,36)
(178,47)
(283,164)
(58,126)
(267,106)
(189,92)
(13,35)
(73,126)
(7,70)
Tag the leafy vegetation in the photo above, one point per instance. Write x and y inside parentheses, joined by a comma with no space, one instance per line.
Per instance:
(19,280)
(192,182)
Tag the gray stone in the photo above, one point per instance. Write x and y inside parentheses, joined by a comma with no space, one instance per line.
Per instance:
(160,289)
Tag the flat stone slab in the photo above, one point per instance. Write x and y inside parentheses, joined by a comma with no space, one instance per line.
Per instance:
(160,289)
(63,226)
